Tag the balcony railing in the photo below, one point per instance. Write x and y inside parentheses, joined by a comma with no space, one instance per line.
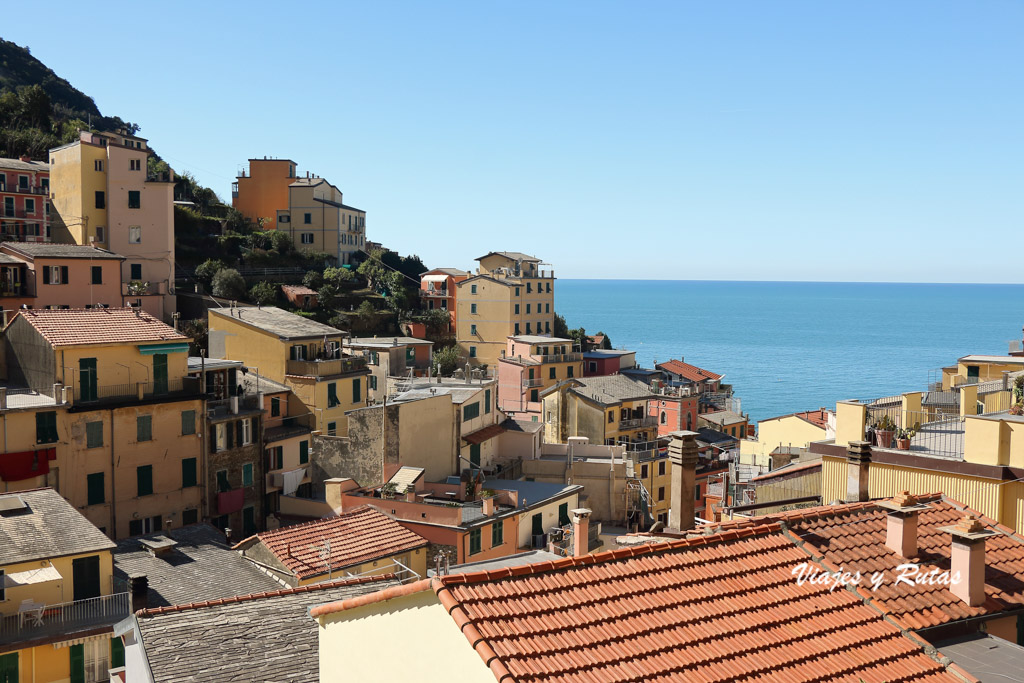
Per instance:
(532,383)
(65,618)
(139,288)
(434,292)
(137,391)
(638,423)
(560,358)
(15,213)
(296,425)
(326,368)
(232,406)
(25,189)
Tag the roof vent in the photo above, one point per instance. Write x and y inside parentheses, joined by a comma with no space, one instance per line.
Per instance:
(159,546)
(10,505)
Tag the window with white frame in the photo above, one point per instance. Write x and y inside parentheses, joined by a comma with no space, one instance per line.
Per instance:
(246,432)
(220,438)
(135,234)
(307,238)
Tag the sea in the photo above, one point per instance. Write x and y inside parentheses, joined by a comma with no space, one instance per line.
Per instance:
(792,346)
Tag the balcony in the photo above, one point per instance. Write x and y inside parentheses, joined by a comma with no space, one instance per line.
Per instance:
(326,368)
(232,406)
(438,293)
(16,213)
(297,425)
(140,288)
(638,423)
(532,383)
(560,358)
(137,391)
(25,189)
(65,618)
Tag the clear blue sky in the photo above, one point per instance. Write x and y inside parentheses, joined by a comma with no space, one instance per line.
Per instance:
(678,140)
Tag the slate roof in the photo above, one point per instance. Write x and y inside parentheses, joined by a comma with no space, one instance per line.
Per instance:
(202,567)
(82,327)
(853,536)
(361,535)
(52,250)
(485,433)
(279,322)
(949,399)
(723,417)
(687,371)
(514,255)
(7,164)
(611,389)
(707,435)
(447,271)
(47,527)
(723,607)
(265,637)
(268,386)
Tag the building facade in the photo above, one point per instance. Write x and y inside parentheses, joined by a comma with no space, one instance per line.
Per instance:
(24,200)
(318,221)
(260,191)
(530,364)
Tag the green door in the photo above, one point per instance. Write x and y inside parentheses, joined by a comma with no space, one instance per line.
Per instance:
(538,524)
(160,373)
(474,455)
(9,668)
(77,655)
(87,378)
(85,573)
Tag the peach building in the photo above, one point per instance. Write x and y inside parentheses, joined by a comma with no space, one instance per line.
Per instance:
(259,192)
(47,275)
(529,365)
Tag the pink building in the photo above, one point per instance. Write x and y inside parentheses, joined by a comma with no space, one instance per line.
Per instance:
(599,362)
(24,203)
(46,275)
(529,365)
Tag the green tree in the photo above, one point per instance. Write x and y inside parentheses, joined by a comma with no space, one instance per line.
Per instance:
(561,329)
(259,240)
(606,343)
(338,276)
(313,279)
(446,360)
(578,335)
(437,320)
(263,293)
(207,269)
(35,106)
(373,271)
(228,283)
(281,242)
(235,221)
(327,293)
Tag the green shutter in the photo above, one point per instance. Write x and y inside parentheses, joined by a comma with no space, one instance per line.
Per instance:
(188,472)
(188,422)
(497,534)
(116,653)
(144,428)
(97,492)
(144,479)
(93,434)
(303,452)
(247,474)
(474,541)
(357,394)
(77,663)
(9,668)
(563,514)
(487,401)
(332,395)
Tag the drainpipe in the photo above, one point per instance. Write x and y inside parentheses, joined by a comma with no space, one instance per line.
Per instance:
(113,477)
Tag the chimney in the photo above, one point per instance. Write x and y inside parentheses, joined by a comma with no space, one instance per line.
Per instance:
(410,497)
(580,531)
(858,462)
(682,452)
(967,559)
(901,524)
(488,506)
(138,587)
(25,158)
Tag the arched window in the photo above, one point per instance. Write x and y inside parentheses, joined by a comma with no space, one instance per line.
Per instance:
(664,418)
(689,422)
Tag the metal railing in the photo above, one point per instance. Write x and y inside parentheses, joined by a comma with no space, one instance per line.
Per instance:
(560,358)
(531,383)
(66,617)
(227,406)
(934,432)
(174,388)
(325,368)
(434,292)
(25,189)
(294,425)
(638,423)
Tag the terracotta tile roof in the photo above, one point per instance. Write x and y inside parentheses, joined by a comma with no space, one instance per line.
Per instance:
(687,371)
(716,608)
(818,418)
(484,433)
(853,536)
(361,535)
(80,326)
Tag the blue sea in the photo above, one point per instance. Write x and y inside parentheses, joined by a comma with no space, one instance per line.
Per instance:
(790,346)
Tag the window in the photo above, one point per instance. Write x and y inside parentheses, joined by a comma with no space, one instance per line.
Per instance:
(134,199)
(472,289)
(552,372)
(30,206)
(563,514)
(373,382)
(55,275)
(661,493)
(643,471)
(247,474)
(517,329)
(527,328)
(223,484)
(517,291)
(187,517)
(743,431)
(611,416)
(97,492)
(297,352)
(5,660)
(46,427)
(135,234)
(569,371)
(474,541)
(285,218)
(529,288)
(275,407)
(93,434)
(303,452)
(144,480)
(275,458)
(487,401)
(332,429)
(472,329)
(136,269)
(246,432)
(497,534)
(696,492)
(307,219)
(188,472)
(591,366)
(547,308)
(188,422)
(144,428)
(97,275)
(661,468)
(527,309)
(471,411)
(472,352)
(135,164)
(664,417)
(517,309)
(307,238)
(548,288)
(97,165)
(357,391)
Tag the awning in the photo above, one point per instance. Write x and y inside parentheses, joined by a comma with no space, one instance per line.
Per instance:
(434,278)
(31,577)
(151,349)
(104,635)
(481,435)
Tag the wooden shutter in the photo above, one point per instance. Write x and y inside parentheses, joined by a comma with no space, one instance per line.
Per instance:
(116,653)
(230,436)
(46,275)
(64,275)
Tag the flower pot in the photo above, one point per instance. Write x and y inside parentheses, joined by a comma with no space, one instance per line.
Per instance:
(903,444)
(883,437)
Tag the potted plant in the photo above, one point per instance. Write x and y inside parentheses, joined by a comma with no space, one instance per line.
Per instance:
(885,429)
(903,437)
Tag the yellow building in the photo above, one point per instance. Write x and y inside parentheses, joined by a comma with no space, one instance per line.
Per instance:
(318,221)
(261,190)
(106,414)
(59,599)
(509,296)
(103,194)
(786,434)
(302,354)
(976,369)
(607,410)
(360,542)
(530,364)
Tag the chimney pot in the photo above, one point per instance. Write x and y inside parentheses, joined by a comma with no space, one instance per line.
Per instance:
(580,531)
(901,524)
(858,459)
(967,559)
(138,588)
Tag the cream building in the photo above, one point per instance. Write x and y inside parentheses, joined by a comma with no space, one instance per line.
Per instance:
(318,221)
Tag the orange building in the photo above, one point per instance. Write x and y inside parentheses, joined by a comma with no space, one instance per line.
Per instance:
(263,189)
(437,289)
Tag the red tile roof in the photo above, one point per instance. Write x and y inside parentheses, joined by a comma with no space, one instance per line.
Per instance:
(357,536)
(80,326)
(484,433)
(853,536)
(687,371)
(723,607)
(818,418)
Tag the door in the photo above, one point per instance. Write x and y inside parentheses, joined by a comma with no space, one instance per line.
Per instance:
(248,521)
(538,524)
(9,668)
(86,577)
(474,455)
(87,378)
(160,373)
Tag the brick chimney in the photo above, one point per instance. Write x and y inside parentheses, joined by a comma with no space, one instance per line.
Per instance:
(901,524)
(968,559)
(580,531)
(682,452)
(138,588)
(858,462)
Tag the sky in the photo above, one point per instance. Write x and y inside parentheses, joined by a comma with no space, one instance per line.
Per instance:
(820,141)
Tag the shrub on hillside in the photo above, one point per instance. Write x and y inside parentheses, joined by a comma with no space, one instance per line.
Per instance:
(263,293)
(446,360)
(207,269)
(228,283)
(313,279)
